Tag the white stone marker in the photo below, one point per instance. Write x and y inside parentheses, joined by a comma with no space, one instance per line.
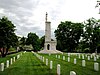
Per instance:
(95,58)
(63,57)
(79,56)
(69,54)
(14,59)
(85,55)
(83,63)
(88,57)
(72,73)
(43,59)
(21,54)
(82,56)
(18,56)
(2,67)
(91,56)
(7,63)
(58,69)
(74,60)
(96,66)
(58,56)
(46,61)
(11,61)
(68,59)
(24,51)
(50,64)
(49,54)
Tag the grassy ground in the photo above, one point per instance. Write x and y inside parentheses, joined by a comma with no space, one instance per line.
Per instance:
(3,60)
(66,67)
(27,64)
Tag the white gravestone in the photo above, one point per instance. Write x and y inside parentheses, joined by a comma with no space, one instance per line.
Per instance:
(69,54)
(58,56)
(85,55)
(21,54)
(46,61)
(68,59)
(95,58)
(83,63)
(72,73)
(49,54)
(91,56)
(96,66)
(11,61)
(74,60)
(58,69)
(82,56)
(43,59)
(14,59)
(88,57)
(7,63)
(51,64)
(63,57)
(18,56)
(2,67)
(79,56)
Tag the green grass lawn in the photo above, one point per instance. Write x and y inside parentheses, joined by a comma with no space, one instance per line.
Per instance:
(66,67)
(29,64)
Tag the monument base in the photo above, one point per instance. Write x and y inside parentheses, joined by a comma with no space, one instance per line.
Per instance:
(50,51)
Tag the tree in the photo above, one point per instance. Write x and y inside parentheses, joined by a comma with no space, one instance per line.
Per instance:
(7,35)
(91,35)
(68,35)
(33,39)
(23,41)
(42,40)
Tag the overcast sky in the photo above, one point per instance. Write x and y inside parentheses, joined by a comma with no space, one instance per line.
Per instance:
(29,15)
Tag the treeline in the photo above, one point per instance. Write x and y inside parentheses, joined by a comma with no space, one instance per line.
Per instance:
(79,37)
(71,37)
(33,40)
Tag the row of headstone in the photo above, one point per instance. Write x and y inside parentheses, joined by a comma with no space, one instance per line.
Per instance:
(37,55)
(96,65)
(96,68)
(43,59)
(88,56)
(8,62)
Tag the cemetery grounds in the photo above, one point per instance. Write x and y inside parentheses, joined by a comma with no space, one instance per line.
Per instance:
(31,63)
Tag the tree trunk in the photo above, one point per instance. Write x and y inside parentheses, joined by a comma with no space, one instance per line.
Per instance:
(3,52)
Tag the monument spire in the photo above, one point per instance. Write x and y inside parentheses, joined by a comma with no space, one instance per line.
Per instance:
(46,16)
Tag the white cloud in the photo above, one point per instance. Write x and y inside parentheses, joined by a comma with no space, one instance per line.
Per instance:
(29,15)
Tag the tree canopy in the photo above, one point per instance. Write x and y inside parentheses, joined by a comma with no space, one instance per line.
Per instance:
(68,35)
(33,39)
(7,36)
(91,35)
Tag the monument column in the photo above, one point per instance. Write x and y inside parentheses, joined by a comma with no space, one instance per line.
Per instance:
(47,30)
(47,34)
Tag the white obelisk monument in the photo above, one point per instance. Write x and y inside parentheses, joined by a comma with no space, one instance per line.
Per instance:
(49,45)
